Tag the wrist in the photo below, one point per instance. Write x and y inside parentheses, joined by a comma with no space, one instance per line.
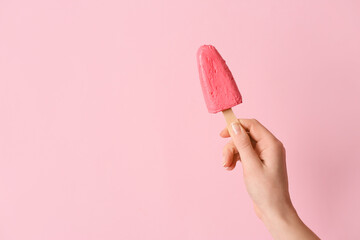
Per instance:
(282,216)
(286,224)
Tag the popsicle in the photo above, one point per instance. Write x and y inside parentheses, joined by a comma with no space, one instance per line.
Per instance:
(218,85)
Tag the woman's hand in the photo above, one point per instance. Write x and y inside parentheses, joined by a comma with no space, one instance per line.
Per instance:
(264,169)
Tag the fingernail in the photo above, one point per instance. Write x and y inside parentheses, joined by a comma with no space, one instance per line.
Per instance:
(236,127)
(224,162)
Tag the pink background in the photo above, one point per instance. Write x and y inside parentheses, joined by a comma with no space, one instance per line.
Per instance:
(104,132)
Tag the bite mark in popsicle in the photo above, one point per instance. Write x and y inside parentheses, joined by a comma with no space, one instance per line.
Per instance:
(218,85)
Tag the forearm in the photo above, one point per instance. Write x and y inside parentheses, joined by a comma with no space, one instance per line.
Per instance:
(287,225)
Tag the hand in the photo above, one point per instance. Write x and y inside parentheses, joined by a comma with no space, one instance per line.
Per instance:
(264,169)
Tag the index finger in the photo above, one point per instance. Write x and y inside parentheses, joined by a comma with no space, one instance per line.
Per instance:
(256,130)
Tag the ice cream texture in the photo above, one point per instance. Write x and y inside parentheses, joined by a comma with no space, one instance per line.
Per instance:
(217,83)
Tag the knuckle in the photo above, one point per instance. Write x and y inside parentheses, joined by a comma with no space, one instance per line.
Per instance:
(244,144)
(225,150)
(279,145)
(228,149)
(254,120)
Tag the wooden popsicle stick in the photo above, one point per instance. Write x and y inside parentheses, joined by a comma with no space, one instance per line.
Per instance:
(229,116)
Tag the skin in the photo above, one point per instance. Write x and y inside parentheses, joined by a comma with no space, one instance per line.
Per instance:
(263,159)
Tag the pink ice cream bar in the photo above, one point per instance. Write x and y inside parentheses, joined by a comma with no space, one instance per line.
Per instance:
(217,83)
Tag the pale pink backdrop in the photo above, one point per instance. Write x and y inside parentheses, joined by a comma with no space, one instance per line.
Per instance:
(104,132)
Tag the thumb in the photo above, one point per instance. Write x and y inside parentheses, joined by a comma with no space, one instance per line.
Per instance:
(248,156)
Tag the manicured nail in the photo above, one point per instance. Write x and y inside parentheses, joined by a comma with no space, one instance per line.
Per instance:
(236,127)
(224,161)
